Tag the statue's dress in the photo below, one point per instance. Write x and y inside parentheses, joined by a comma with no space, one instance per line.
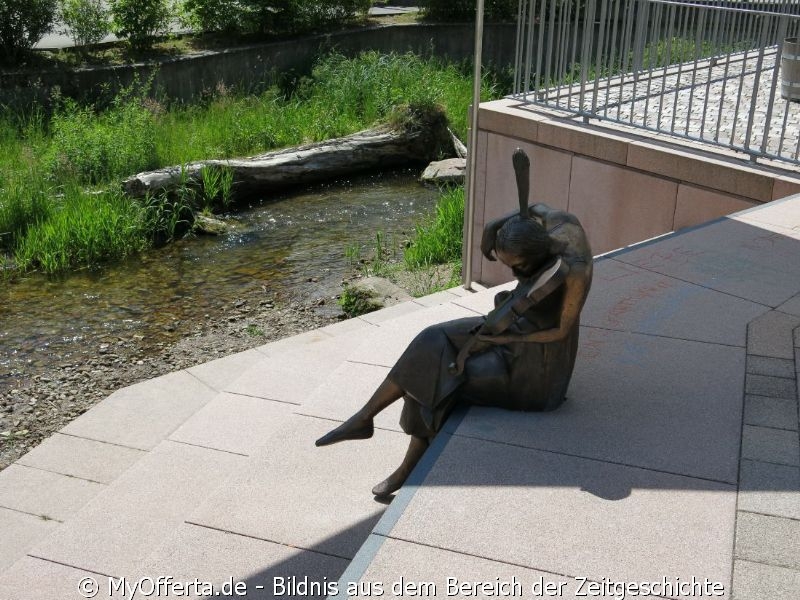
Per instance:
(518,376)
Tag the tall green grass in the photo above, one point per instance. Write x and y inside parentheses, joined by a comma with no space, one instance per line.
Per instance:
(93,147)
(341,96)
(83,231)
(23,204)
(440,239)
(50,218)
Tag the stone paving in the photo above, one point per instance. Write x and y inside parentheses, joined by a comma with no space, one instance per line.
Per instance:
(710,100)
(675,456)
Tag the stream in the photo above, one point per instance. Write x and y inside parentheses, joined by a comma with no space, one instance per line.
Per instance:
(291,247)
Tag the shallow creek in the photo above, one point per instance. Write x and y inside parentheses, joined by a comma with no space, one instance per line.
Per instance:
(292,247)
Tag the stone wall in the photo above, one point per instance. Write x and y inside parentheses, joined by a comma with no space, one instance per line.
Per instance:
(187,77)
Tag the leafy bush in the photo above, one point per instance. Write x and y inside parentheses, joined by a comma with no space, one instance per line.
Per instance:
(94,147)
(271,16)
(215,15)
(141,21)
(23,23)
(464,10)
(87,21)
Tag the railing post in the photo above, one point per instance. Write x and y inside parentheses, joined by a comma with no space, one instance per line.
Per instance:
(783,25)
(707,75)
(472,151)
(642,16)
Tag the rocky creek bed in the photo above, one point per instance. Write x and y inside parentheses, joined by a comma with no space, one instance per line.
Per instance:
(67,344)
(37,405)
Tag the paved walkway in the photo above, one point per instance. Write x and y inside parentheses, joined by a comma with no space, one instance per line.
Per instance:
(676,455)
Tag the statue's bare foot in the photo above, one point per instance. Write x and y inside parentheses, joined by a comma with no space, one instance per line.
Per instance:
(391,484)
(352,429)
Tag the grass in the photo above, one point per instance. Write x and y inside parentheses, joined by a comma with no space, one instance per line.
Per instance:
(355,302)
(440,239)
(83,231)
(254,331)
(431,261)
(56,213)
(22,207)
(340,97)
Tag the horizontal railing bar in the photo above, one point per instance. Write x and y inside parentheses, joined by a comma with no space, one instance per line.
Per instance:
(723,8)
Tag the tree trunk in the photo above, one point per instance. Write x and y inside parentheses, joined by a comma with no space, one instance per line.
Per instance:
(422,137)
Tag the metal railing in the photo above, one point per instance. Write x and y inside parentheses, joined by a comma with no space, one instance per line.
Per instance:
(702,70)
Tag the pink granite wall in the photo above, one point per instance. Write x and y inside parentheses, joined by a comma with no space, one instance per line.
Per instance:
(624,187)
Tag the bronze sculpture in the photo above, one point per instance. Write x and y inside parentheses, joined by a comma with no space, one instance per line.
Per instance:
(519,357)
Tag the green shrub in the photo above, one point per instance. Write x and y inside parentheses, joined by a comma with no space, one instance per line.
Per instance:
(23,23)
(87,21)
(215,15)
(141,21)
(356,301)
(439,240)
(93,147)
(464,10)
(271,16)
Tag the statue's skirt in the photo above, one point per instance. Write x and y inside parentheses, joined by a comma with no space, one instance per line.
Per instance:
(517,376)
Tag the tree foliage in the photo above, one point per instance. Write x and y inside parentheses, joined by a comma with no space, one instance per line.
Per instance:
(270,16)
(87,21)
(23,23)
(464,10)
(141,21)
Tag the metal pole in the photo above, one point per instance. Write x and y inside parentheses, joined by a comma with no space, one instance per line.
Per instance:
(472,151)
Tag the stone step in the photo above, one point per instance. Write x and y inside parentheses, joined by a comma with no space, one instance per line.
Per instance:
(676,454)
(217,420)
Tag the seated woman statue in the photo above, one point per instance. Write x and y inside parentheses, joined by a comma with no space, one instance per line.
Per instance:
(525,363)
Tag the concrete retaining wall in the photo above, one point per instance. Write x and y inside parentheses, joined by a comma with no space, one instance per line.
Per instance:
(249,67)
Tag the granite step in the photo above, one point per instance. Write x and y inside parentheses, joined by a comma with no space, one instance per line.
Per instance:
(138,481)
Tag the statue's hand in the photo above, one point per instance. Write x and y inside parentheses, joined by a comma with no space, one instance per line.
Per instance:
(487,242)
(490,235)
(501,297)
(495,339)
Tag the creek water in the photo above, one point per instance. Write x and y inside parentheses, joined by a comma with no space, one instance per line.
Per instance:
(292,247)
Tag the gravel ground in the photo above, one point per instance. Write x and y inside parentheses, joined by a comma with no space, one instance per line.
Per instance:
(38,405)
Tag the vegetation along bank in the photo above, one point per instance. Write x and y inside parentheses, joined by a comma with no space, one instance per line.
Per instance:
(61,206)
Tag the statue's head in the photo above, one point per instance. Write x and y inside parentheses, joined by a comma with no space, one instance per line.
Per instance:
(523,244)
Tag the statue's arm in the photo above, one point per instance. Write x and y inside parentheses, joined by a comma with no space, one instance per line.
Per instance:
(576,288)
(490,234)
(549,216)
(539,210)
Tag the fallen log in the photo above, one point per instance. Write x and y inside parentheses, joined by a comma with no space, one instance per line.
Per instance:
(417,136)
